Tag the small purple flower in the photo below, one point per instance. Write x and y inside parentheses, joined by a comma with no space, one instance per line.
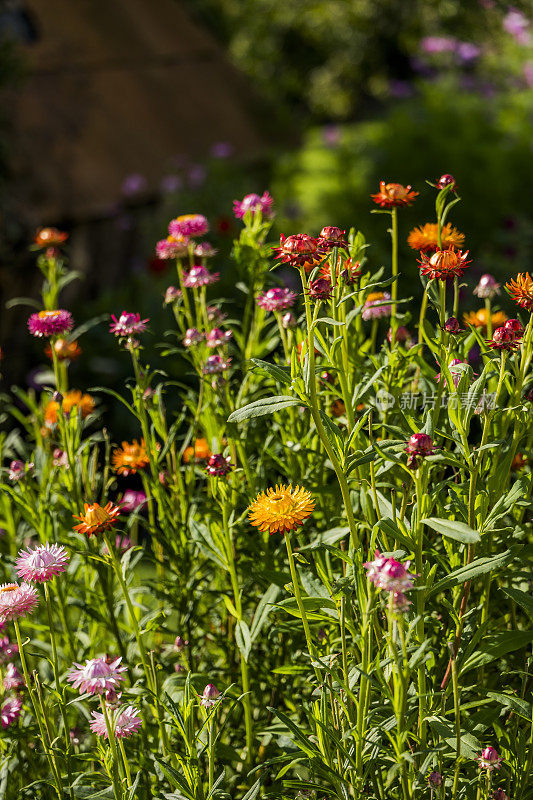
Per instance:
(192,337)
(127,324)
(218,465)
(131,500)
(50,323)
(253,203)
(8,650)
(217,337)
(133,184)
(10,710)
(170,184)
(467,52)
(210,696)
(438,44)
(435,779)
(222,149)
(216,364)
(277,299)
(199,276)
(517,24)
(488,287)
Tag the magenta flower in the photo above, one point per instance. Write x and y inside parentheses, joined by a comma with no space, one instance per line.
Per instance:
(488,287)
(377,308)
(188,225)
(125,723)
(172,247)
(209,696)
(199,276)
(127,324)
(389,574)
(96,676)
(277,299)
(489,759)
(215,314)
(50,323)
(60,458)
(43,563)
(12,679)
(10,710)
(435,779)
(216,364)
(218,465)
(131,500)
(217,337)
(419,445)
(192,337)
(8,650)
(18,470)
(17,601)
(253,202)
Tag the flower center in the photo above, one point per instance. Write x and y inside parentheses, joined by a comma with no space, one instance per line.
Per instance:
(95,515)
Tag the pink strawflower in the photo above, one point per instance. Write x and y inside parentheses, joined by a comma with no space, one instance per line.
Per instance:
(131,500)
(489,759)
(125,723)
(488,287)
(17,601)
(210,696)
(389,574)
(172,247)
(420,444)
(216,364)
(192,337)
(400,603)
(96,676)
(18,470)
(43,563)
(253,202)
(12,679)
(127,324)
(277,299)
(122,543)
(217,337)
(10,710)
(375,309)
(205,250)
(188,225)
(50,323)
(199,276)
(435,779)
(457,374)
(172,294)
(60,458)
(8,650)
(215,314)
(218,465)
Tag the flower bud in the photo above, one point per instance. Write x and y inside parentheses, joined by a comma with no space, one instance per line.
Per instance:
(180,643)
(452,325)
(210,695)
(435,779)
(447,180)
(288,320)
(320,289)
(57,397)
(500,794)
(515,328)
(420,444)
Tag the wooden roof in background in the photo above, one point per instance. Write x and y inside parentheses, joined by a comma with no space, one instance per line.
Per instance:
(117,87)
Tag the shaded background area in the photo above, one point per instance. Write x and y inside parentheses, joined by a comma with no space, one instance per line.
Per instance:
(119,115)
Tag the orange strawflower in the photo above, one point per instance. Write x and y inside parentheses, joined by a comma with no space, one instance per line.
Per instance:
(50,237)
(97,519)
(201,451)
(64,350)
(72,401)
(519,462)
(478,319)
(281,509)
(391,195)
(130,458)
(425,237)
(444,264)
(521,290)
(348,269)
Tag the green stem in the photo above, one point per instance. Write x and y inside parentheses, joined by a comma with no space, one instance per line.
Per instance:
(299,601)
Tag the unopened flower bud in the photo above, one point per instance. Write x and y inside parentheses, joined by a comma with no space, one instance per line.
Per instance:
(435,779)
(452,325)
(180,643)
(515,328)
(447,180)
(210,695)
(57,397)
(288,320)
(320,289)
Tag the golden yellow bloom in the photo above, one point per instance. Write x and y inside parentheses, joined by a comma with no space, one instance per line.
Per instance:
(521,290)
(425,237)
(72,401)
(479,318)
(281,509)
(96,519)
(130,458)
(201,451)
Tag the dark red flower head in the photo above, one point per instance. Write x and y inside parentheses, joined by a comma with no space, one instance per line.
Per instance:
(447,180)
(503,339)
(331,237)
(515,328)
(419,445)
(300,250)
(452,325)
(320,289)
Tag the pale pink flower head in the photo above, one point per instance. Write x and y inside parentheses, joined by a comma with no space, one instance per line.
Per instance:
(127,324)
(18,470)
(50,323)
(10,710)
(60,458)
(188,225)
(209,696)
(172,247)
(276,299)
(43,563)
(400,603)
(517,24)
(205,250)
(17,601)
(192,337)
(8,650)
(132,499)
(217,337)
(216,364)
(125,722)
(389,574)
(489,759)
(199,276)
(254,202)
(375,308)
(96,676)
(488,287)
(172,294)
(12,679)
